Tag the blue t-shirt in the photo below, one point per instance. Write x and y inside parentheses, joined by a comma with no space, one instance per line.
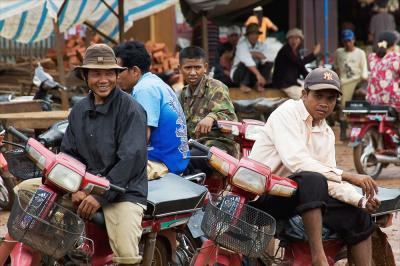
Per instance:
(168,140)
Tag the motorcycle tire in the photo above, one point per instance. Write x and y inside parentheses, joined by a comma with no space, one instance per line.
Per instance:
(9,184)
(371,137)
(160,257)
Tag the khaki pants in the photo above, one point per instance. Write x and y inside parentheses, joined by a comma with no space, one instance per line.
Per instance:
(156,170)
(123,223)
(348,89)
(293,92)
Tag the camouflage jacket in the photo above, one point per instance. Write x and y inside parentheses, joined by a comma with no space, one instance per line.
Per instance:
(211,98)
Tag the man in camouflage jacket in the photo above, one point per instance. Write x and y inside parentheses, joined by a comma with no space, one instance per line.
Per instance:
(205,100)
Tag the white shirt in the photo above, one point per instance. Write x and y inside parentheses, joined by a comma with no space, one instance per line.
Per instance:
(351,65)
(242,53)
(289,143)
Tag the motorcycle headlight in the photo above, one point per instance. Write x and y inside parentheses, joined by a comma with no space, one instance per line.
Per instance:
(252,131)
(65,178)
(38,158)
(249,180)
(229,129)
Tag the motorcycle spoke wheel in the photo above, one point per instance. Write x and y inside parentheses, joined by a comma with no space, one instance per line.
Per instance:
(364,154)
(160,257)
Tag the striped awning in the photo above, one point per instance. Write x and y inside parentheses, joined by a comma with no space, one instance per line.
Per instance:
(29,21)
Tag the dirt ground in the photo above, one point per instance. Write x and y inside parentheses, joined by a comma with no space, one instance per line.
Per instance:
(390,177)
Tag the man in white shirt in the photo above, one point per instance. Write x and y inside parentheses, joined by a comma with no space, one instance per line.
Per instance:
(351,65)
(251,67)
(297,141)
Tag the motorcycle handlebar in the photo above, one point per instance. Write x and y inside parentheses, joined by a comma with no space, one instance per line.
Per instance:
(117,189)
(198,145)
(17,134)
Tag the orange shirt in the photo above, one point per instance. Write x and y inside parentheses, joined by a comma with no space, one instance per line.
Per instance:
(265,25)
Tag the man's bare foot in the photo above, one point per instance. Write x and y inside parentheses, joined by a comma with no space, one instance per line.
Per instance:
(244,88)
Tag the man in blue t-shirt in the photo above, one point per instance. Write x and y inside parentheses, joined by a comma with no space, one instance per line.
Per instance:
(166,123)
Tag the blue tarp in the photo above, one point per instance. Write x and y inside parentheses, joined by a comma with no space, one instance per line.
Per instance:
(29,21)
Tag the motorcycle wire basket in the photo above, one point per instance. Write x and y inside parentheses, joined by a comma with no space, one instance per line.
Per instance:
(238,227)
(44,225)
(20,165)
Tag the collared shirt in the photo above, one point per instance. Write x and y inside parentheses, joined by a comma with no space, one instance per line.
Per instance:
(210,99)
(289,143)
(243,53)
(110,139)
(168,139)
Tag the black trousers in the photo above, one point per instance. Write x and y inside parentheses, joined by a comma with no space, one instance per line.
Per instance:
(351,223)
(244,76)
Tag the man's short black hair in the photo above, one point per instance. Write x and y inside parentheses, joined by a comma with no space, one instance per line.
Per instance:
(192,52)
(133,53)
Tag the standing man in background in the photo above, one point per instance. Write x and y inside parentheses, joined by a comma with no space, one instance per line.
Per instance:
(264,23)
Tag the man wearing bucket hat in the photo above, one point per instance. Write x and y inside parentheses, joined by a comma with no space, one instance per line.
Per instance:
(264,23)
(107,132)
(290,65)
(297,141)
(251,67)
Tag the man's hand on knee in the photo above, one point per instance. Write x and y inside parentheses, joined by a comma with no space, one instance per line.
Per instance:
(371,205)
(365,182)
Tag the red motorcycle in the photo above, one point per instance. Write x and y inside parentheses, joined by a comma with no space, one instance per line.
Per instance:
(237,231)
(38,224)
(374,136)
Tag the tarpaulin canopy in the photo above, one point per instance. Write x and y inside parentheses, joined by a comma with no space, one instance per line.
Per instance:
(29,21)
(219,11)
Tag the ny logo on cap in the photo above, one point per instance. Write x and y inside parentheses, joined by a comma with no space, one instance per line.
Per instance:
(328,76)
(100,59)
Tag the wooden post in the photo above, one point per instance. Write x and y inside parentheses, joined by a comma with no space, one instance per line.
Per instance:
(204,34)
(121,20)
(60,66)
(152,28)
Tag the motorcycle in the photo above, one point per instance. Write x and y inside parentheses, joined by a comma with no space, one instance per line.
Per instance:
(374,136)
(38,223)
(221,223)
(259,108)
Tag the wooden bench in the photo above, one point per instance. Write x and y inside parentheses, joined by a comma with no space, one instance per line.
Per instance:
(21,106)
(34,120)
(237,94)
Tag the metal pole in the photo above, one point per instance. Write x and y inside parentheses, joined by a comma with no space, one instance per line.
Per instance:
(326,31)
(204,34)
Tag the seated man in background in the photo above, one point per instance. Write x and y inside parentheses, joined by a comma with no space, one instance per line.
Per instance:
(204,100)
(166,123)
(225,53)
(251,67)
(289,64)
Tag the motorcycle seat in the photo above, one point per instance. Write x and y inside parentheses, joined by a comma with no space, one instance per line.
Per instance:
(267,105)
(75,99)
(53,136)
(173,194)
(367,108)
(245,106)
(168,195)
(389,198)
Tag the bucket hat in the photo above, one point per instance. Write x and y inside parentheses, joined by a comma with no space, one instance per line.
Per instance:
(253,28)
(99,56)
(295,32)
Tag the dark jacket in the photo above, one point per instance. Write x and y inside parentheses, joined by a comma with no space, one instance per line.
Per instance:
(288,67)
(110,139)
